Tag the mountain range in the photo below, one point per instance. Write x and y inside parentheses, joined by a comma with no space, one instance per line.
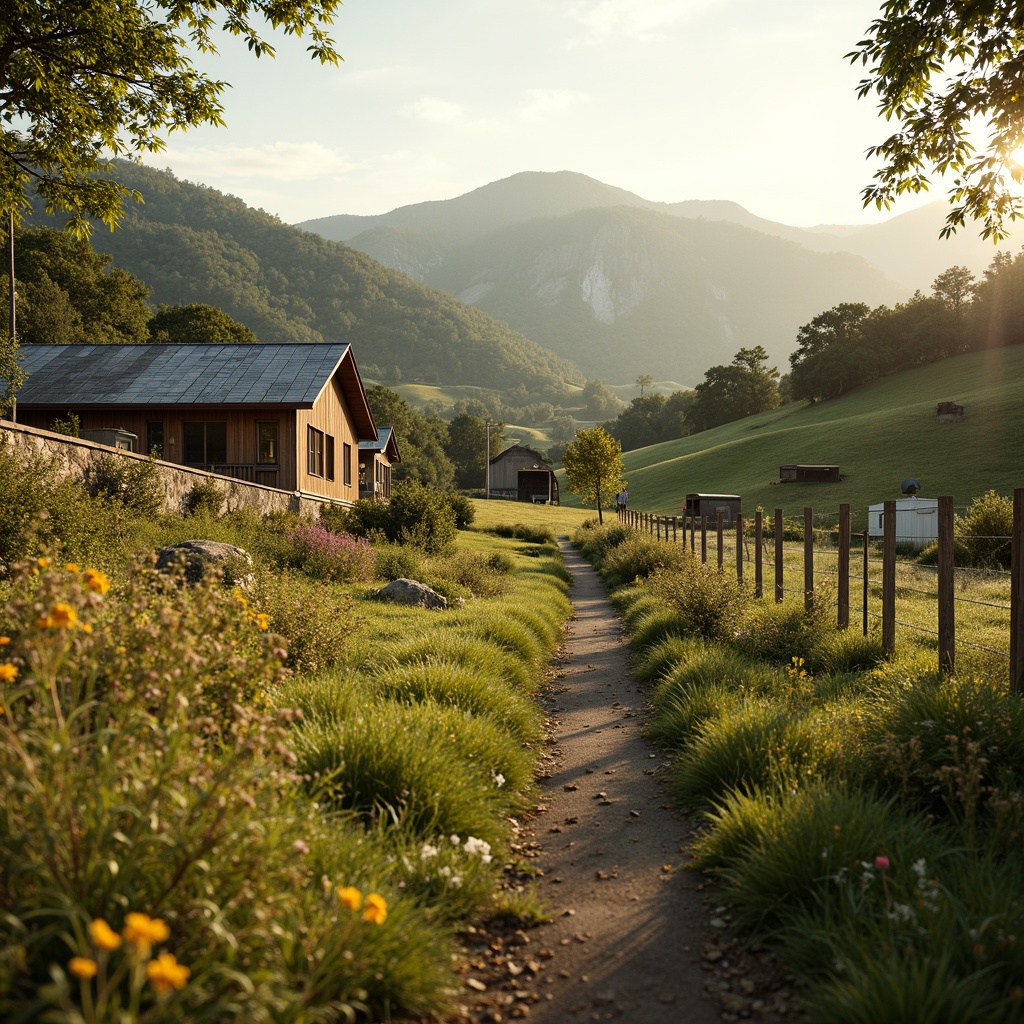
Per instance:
(620,284)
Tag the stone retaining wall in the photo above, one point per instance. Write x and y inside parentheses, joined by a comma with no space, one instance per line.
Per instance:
(75,456)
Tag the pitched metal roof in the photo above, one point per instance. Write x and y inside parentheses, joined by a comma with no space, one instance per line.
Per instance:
(386,442)
(91,375)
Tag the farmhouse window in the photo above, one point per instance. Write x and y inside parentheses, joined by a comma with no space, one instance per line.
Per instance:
(206,444)
(155,440)
(266,438)
(328,456)
(314,451)
(346,466)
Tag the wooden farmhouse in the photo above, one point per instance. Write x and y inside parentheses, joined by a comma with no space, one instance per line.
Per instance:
(375,461)
(287,416)
(522,474)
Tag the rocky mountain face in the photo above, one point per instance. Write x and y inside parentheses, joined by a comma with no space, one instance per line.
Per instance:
(618,284)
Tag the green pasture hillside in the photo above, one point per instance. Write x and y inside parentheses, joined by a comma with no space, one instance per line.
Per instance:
(878,435)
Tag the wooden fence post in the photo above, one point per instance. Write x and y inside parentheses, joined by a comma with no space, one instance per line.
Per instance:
(864,610)
(739,549)
(843,598)
(693,532)
(758,566)
(947,601)
(675,533)
(1017,593)
(808,559)
(778,556)
(719,524)
(703,538)
(889,577)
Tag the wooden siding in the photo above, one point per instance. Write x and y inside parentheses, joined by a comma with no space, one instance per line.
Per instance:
(329,414)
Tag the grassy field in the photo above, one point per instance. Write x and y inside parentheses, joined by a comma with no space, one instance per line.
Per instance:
(878,435)
(559,518)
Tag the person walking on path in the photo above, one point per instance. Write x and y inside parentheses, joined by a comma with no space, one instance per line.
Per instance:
(621,500)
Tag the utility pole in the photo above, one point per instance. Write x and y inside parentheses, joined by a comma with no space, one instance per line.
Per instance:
(13,339)
(487,466)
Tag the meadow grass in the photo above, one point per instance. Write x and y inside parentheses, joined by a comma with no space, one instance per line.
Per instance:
(306,791)
(864,816)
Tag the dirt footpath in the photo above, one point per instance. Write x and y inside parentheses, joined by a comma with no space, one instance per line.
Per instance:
(634,937)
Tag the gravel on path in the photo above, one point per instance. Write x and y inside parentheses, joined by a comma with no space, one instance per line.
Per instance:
(634,937)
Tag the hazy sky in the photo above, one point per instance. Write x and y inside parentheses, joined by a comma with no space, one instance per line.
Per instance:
(743,100)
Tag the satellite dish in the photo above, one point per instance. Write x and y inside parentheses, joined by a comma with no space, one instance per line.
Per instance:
(910,486)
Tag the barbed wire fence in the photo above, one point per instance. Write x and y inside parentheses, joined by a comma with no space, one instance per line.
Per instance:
(819,559)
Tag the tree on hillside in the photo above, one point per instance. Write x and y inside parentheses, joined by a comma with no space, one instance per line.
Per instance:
(197,324)
(82,81)
(826,354)
(744,387)
(643,382)
(70,294)
(593,467)
(421,439)
(599,401)
(940,70)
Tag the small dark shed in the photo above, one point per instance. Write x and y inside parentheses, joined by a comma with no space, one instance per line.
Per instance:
(698,505)
(949,412)
(809,474)
(539,486)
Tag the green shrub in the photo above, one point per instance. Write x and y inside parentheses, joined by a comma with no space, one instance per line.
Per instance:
(315,622)
(638,557)
(531,534)
(473,573)
(132,483)
(709,603)
(985,529)
(464,510)
(396,562)
(204,500)
(415,515)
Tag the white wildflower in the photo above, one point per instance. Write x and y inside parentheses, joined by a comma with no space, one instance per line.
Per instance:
(427,851)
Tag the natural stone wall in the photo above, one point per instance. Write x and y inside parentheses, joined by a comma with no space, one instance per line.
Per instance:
(74,456)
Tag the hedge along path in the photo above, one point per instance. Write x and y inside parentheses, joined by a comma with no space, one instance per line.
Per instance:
(629,926)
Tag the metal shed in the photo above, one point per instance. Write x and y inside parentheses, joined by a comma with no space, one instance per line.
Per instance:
(917,521)
(698,505)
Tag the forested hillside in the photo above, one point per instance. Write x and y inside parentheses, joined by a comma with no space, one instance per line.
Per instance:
(193,244)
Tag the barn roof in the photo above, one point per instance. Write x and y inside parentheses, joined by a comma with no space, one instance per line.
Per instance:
(91,376)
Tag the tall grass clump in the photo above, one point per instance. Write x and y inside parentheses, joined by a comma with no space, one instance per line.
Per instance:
(453,685)
(659,659)
(638,557)
(520,531)
(437,770)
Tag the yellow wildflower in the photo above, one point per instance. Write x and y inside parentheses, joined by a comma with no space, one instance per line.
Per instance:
(165,973)
(103,936)
(8,672)
(263,622)
(4,641)
(142,930)
(62,616)
(96,580)
(72,567)
(43,563)
(349,897)
(376,909)
(82,967)
(240,597)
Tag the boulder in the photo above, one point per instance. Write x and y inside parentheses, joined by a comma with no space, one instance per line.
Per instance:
(202,558)
(403,591)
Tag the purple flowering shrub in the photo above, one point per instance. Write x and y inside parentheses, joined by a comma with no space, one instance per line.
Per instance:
(336,557)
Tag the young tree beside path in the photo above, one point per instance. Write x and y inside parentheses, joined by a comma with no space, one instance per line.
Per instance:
(593,467)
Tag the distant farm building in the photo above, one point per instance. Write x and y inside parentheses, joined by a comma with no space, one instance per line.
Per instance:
(949,412)
(375,461)
(917,521)
(698,505)
(522,474)
(809,474)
